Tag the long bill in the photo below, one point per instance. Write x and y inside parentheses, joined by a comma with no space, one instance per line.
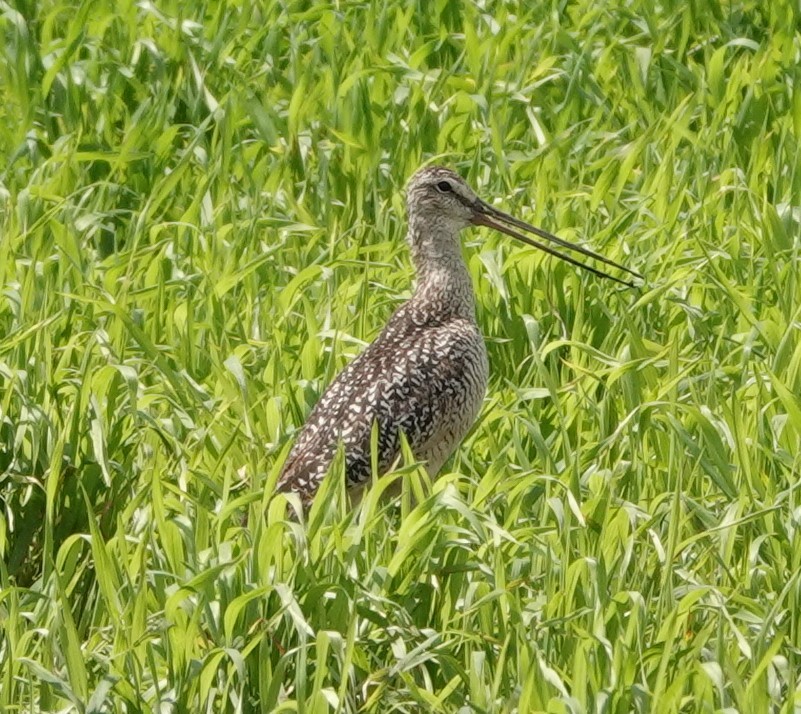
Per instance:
(491,217)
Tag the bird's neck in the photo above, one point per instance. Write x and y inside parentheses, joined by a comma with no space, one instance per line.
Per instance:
(443,280)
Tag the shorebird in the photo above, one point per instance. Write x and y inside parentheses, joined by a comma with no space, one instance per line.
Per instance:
(425,375)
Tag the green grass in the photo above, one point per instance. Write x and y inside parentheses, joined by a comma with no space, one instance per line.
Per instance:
(201,222)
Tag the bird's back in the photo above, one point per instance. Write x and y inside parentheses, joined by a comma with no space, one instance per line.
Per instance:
(424,376)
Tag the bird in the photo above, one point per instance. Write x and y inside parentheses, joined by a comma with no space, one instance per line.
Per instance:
(425,375)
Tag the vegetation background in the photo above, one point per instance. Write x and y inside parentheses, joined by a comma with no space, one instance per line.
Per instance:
(202,221)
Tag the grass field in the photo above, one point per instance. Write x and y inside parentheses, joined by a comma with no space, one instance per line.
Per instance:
(201,222)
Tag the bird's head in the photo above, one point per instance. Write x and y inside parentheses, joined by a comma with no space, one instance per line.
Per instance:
(440,202)
(438,195)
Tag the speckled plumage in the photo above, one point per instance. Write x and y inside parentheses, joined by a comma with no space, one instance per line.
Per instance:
(425,375)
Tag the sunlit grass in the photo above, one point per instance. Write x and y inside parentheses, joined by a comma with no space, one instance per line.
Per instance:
(201,222)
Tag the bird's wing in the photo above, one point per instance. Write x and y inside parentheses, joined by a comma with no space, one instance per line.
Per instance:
(399,382)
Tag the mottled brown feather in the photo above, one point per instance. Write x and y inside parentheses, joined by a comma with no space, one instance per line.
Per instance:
(425,375)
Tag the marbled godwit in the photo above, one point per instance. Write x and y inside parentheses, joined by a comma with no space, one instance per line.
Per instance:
(426,373)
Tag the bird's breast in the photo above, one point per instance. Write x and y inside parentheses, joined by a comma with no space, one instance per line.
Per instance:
(458,383)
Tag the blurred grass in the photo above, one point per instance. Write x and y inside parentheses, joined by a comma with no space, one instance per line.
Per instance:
(201,221)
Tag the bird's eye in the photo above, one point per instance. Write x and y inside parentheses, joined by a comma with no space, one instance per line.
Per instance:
(444,187)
